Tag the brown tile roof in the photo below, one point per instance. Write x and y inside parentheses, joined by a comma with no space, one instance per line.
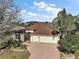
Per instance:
(40,29)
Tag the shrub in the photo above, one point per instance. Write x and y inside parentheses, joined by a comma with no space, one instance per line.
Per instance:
(69,43)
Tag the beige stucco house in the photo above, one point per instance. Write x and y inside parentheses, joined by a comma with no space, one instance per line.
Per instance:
(41,32)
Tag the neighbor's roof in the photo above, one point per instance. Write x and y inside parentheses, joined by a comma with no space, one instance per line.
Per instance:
(40,28)
(17,28)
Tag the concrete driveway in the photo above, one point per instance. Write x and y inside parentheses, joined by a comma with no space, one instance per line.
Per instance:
(43,51)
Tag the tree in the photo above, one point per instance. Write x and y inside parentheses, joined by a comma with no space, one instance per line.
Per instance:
(76,21)
(63,21)
(8,15)
(59,21)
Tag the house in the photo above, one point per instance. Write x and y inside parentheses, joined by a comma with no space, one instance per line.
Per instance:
(41,32)
(18,33)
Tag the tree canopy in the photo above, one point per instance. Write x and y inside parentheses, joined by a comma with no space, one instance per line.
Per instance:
(63,21)
(8,15)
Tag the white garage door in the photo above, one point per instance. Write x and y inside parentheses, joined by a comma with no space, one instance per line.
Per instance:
(45,39)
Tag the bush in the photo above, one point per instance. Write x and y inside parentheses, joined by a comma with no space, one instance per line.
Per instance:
(69,43)
(15,44)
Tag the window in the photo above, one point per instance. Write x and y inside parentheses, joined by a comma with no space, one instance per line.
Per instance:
(18,36)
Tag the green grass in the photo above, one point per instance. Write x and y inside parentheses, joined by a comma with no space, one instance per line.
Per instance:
(14,55)
(77,54)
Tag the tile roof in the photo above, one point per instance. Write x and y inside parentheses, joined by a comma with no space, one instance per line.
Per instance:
(41,29)
(17,28)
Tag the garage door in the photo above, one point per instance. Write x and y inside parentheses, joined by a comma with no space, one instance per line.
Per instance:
(45,39)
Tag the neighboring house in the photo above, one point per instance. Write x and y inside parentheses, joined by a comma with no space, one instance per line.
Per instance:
(18,33)
(41,32)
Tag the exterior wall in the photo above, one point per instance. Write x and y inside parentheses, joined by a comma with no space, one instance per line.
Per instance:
(29,31)
(45,39)
(21,37)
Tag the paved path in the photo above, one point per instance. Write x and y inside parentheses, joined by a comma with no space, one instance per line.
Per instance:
(43,51)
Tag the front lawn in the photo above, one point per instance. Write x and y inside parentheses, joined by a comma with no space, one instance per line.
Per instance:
(9,54)
(77,54)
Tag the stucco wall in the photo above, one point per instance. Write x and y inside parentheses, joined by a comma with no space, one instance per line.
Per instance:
(45,39)
(21,36)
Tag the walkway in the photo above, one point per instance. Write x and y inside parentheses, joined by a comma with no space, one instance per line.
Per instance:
(43,51)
